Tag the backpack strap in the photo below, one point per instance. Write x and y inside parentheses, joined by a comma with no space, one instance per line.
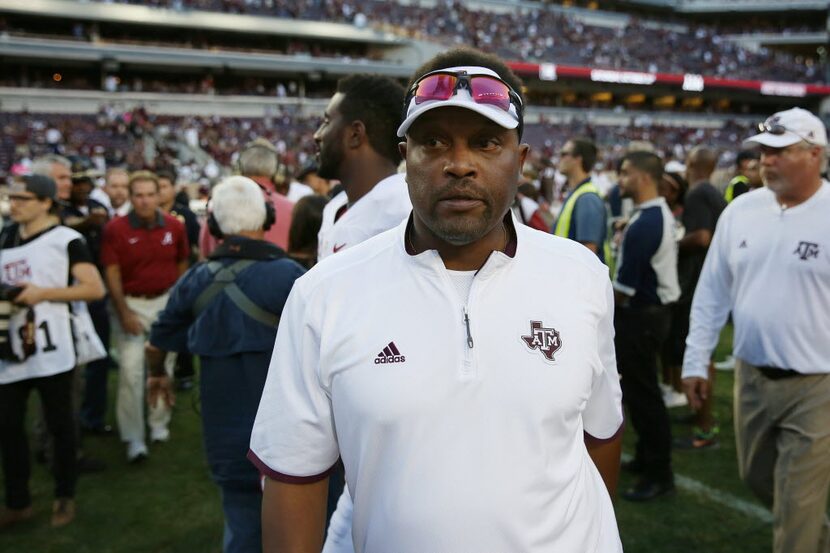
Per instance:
(223,280)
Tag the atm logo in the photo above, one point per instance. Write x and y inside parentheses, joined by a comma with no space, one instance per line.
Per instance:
(546,340)
(390,354)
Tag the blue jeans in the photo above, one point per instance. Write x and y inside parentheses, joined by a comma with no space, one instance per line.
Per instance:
(231,388)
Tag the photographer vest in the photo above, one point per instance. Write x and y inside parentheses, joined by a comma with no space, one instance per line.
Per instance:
(44,262)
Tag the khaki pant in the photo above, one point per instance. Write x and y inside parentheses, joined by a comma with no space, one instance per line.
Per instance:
(129,408)
(782,430)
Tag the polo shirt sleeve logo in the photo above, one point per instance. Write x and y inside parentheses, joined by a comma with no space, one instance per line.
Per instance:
(806,250)
(168,239)
(546,340)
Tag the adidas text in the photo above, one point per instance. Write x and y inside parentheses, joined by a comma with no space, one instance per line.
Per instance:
(393,359)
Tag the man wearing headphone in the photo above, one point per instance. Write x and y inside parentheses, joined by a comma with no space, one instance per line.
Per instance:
(259,161)
(226,311)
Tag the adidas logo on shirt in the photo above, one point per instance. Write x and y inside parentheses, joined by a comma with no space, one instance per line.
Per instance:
(390,354)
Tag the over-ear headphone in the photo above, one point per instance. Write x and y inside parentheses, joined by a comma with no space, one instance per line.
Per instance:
(278,178)
(270,219)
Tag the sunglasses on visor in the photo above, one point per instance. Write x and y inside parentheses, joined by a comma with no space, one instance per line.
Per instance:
(484,89)
(779,129)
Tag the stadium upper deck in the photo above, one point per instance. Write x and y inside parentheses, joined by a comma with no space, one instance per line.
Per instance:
(534,34)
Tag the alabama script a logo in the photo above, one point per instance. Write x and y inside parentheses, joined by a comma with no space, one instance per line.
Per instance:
(546,340)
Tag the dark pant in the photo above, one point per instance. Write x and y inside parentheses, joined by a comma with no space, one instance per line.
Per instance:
(230,389)
(56,396)
(94,406)
(640,333)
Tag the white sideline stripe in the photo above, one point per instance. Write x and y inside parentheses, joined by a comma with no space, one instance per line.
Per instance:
(727,500)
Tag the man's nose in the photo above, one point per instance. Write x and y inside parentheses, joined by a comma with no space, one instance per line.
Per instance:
(460,162)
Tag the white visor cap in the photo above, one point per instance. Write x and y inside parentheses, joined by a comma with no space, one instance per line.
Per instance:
(463,99)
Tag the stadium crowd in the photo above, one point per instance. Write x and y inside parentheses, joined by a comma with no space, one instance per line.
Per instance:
(100,256)
(529,35)
(543,35)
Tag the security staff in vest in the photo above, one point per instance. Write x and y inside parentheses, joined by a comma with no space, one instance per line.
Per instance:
(50,266)
(583,217)
(226,311)
(769,264)
(747,177)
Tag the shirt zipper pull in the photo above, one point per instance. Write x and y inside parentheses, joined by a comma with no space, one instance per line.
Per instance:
(467,324)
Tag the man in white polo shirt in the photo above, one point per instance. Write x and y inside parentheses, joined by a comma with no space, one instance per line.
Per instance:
(357,146)
(469,416)
(769,263)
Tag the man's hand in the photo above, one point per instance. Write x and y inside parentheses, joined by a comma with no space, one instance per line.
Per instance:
(31,294)
(131,323)
(697,391)
(160,387)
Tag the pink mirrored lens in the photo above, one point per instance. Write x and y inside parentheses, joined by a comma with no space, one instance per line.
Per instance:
(487,90)
(435,87)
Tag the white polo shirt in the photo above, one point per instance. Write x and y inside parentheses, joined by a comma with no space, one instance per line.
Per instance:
(452,440)
(383,208)
(771,267)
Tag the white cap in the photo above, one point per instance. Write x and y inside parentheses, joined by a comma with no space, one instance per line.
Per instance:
(799,124)
(463,99)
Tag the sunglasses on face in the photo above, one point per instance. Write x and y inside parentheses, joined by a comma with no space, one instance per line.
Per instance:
(484,89)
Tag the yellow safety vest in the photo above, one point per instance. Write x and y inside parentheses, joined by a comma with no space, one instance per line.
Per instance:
(563,222)
(729,194)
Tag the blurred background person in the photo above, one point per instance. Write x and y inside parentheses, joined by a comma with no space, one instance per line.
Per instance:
(52,266)
(143,254)
(234,341)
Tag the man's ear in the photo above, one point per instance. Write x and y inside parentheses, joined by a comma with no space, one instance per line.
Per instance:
(524,149)
(356,134)
(402,149)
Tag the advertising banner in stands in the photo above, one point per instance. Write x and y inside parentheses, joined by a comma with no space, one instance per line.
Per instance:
(688,82)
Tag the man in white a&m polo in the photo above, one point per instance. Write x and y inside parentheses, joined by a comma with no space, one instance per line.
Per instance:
(769,263)
(469,415)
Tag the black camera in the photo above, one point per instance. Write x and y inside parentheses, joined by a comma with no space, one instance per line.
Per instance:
(8,294)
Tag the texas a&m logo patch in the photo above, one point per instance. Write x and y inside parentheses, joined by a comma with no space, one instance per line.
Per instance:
(546,340)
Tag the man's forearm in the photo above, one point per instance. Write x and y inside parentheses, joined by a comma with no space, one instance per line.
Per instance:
(112,274)
(155,360)
(293,516)
(606,457)
(697,240)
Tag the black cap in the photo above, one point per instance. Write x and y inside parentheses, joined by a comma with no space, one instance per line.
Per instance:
(40,185)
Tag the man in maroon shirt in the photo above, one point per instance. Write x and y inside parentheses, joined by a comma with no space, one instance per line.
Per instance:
(143,255)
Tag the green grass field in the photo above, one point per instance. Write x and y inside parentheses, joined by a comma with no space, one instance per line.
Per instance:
(169,504)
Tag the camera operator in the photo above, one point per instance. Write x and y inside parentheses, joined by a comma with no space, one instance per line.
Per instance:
(52,266)
(226,311)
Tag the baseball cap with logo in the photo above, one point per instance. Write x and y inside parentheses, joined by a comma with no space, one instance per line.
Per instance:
(41,186)
(478,89)
(789,127)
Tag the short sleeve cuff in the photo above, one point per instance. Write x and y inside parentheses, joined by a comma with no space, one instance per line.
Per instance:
(286,478)
(590,439)
(623,289)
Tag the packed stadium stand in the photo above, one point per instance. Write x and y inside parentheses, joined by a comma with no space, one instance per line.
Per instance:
(233,70)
